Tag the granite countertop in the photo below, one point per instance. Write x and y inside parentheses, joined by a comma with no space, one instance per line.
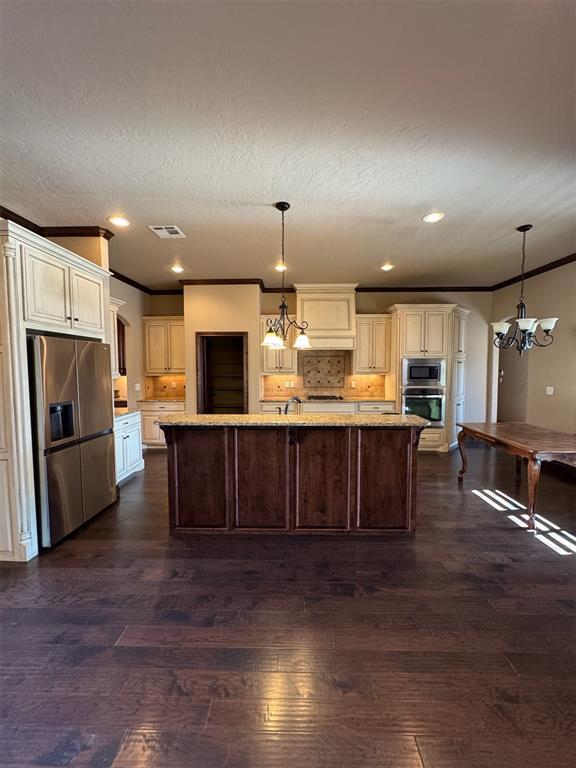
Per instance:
(162,400)
(291,420)
(118,412)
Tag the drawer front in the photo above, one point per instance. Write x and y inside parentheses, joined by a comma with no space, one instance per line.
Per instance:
(431,437)
(328,408)
(384,407)
(273,407)
(130,420)
(159,407)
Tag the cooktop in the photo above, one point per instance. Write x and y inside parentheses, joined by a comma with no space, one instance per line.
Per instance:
(325,397)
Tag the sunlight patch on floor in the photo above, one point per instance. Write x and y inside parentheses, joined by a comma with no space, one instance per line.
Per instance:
(548,533)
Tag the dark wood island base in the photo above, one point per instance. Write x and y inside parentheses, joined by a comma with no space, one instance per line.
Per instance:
(292,474)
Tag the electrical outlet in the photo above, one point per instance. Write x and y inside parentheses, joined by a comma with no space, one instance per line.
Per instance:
(549,390)
(173,385)
(287,384)
(353,384)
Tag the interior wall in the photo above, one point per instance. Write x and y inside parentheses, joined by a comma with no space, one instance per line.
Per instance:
(223,308)
(132,312)
(552,294)
(478,302)
(166,304)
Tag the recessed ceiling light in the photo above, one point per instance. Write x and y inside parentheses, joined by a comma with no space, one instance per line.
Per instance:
(387,267)
(119,221)
(433,217)
(280,267)
(177,268)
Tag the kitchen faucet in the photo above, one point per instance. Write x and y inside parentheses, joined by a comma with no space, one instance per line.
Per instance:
(291,400)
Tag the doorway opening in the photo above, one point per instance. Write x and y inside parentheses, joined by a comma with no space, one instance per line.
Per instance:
(509,373)
(222,363)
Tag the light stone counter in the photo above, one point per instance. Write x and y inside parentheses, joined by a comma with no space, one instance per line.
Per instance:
(291,420)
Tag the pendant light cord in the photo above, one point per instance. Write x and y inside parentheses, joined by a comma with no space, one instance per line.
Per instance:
(523,264)
(283,258)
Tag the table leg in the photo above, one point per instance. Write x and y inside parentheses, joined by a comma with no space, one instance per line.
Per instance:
(518,477)
(461,438)
(533,476)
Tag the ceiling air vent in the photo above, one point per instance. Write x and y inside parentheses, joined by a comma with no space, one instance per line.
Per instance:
(167,231)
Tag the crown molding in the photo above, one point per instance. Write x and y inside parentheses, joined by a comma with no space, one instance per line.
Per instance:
(73,231)
(96,231)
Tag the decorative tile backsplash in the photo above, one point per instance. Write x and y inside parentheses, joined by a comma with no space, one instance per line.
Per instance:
(161,386)
(323,371)
(367,385)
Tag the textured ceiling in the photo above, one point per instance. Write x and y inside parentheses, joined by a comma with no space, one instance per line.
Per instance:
(364,115)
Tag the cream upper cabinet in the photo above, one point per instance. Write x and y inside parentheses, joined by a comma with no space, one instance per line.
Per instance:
(58,295)
(372,353)
(459,334)
(414,324)
(87,301)
(435,334)
(176,358)
(277,360)
(164,345)
(46,289)
(424,333)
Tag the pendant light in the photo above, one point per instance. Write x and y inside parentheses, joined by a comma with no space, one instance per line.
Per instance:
(278,327)
(524,336)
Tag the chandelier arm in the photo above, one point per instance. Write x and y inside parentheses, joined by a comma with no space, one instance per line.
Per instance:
(545,341)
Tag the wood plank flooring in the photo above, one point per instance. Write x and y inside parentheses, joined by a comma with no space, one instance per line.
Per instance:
(126,648)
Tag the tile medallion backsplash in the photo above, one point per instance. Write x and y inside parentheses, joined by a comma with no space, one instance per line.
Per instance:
(367,385)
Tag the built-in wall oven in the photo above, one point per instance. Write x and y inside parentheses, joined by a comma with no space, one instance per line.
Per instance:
(423,372)
(427,402)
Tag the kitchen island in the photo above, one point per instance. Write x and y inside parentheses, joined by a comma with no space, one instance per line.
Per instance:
(297,474)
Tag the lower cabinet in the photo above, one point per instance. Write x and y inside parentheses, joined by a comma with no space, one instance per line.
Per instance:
(296,479)
(128,445)
(152,410)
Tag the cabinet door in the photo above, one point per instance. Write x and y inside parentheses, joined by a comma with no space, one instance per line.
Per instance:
(380,346)
(133,446)
(459,338)
(287,357)
(46,290)
(458,378)
(114,343)
(87,301)
(268,356)
(383,504)
(176,358)
(413,333)
(151,433)
(321,477)
(119,454)
(156,351)
(435,345)
(363,351)
(261,498)
(457,417)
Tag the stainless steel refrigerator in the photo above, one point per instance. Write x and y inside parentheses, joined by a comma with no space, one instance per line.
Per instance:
(72,417)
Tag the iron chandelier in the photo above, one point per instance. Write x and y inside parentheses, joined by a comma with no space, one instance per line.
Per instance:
(279,327)
(524,336)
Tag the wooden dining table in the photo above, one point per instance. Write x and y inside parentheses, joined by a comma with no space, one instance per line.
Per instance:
(525,441)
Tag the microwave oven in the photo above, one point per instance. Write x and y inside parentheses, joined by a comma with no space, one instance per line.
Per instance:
(423,372)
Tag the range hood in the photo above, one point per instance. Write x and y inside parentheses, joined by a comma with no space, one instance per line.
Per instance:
(330,311)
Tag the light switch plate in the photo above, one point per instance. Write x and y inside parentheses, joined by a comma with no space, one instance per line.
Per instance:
(137,387)
(549,390)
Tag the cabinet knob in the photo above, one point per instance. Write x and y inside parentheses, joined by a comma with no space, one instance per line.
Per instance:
(76,319)
(68,317)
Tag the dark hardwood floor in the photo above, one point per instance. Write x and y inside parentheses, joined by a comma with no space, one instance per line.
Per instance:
(126,648)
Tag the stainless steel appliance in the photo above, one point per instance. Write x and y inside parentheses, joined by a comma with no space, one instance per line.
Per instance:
(423,372)
(71,401)
(427,402)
